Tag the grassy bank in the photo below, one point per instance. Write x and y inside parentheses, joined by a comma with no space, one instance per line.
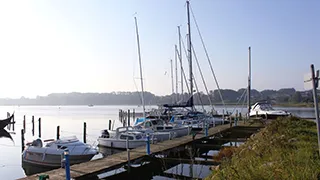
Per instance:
(285,149)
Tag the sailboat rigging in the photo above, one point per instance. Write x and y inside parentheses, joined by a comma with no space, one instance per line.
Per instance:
(141,79)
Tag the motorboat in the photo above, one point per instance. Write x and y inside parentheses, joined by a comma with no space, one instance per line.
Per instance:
(51,154)
(265,110)
(118,138)
(158,125)
(136,137)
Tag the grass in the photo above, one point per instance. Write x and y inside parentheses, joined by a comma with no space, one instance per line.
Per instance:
(286,149)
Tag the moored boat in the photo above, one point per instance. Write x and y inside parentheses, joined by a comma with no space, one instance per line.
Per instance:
(265,110)
(51,155)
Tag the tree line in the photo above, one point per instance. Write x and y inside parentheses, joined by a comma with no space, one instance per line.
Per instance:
(286,95)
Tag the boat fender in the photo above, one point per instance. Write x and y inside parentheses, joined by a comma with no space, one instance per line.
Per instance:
(37,143)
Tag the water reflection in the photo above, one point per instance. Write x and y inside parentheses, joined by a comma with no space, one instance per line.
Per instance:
(5,134)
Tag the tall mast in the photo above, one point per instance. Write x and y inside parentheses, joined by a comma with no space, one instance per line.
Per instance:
(176,70)
(172,83)
(190,55)
(141,79)
(180,58)
(249,81)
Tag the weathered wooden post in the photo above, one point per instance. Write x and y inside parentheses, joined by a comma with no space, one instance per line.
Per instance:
(129,117)
(85,132)
(230,120)
(39,122)
(22,140)
(222,116)
(133,115)
(13,122)
(110,124)
(236,119)
(58,132)
(120,115)
(24,124)
(124,119)
(32,121)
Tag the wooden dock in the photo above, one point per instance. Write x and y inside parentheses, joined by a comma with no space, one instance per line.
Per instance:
(117,160)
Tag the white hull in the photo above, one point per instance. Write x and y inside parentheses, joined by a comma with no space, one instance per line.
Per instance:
(120,144)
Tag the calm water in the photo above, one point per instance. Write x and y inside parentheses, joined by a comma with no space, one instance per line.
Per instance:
(70,119)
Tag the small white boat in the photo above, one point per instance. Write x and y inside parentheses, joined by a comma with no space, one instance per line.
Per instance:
(265,110)
(158,125)
(136,138)
(51,154)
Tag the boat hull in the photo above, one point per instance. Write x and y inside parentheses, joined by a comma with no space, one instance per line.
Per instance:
(120,144)
(33,163)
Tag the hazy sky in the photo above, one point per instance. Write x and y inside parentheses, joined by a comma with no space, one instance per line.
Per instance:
(90,46)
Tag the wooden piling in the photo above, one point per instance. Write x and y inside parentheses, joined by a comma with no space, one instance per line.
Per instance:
(32,121)
(58,132)
(124,119)
(222,116)
(133,115)
(24,124)
(39,122)
(22,140)
(13,122)
(110,124)
(85,132)
(128,117)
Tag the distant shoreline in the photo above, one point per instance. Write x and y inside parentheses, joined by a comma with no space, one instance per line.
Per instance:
(228,104)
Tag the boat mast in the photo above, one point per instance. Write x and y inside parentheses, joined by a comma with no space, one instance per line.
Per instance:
(176,71)
(141,79)
(249,81)
(172,83)
(180,57)
(190,55)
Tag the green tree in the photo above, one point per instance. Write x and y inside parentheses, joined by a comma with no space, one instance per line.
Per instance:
(296,97)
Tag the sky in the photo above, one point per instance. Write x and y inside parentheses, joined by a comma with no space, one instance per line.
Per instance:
(58,46)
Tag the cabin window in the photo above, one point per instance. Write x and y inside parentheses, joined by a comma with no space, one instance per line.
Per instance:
(159,128)
(138,136)
(126,136)
(61,147)
(147,124)
(168,127)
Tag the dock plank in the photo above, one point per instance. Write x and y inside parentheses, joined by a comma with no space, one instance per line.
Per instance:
(118,159)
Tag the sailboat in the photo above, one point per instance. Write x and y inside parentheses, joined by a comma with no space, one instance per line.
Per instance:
(135,137)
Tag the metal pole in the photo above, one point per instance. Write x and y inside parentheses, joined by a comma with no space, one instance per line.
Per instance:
(67,165)
(180,58)
(172,83)
(139,53)
(128,151)
(148,144)
(249,81)
(176,71)
(315,81)
(190,55)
